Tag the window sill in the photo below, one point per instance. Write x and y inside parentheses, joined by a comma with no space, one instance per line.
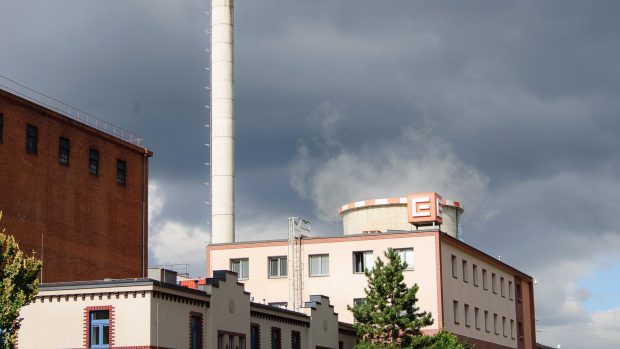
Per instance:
(315,276)
(278,277)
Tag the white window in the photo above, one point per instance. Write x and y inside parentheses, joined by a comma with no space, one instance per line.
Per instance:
(319,265)
(362,261)
(241,266)
(278,267)
(476,322)
(406,256)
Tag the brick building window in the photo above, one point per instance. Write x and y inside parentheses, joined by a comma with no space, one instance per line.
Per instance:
(195,330)
(63,151)
(295,340)
(93,162)
(98,327)
(254,336)
(276,338)
(121,172)
(1,127)
(32,139)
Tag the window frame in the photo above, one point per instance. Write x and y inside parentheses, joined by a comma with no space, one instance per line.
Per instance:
(297,335)
(455,312)
(403,251)
(100,324)
(196,328)
(486,321)
(476,322)
(466,314)
(278,332)
(454,267)
(363,260)
(474,272)
(464,267)
(494,283)
(240,274)
(502,289)
(485,283)
(93,162)
(511,295)
(64,151)
(32,139)
(321,257)
(279,274)
(495,329)
(121,172)
(254,341)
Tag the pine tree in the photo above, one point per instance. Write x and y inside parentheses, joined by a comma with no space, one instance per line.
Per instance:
(18,286)
(388,316)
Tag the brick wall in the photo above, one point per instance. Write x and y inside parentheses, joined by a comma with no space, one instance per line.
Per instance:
(84,227)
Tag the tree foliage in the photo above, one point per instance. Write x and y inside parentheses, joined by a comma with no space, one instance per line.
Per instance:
(18,286)
(446,340)
(388,317)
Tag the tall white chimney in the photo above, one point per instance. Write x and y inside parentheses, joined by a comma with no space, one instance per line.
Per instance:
(222,123)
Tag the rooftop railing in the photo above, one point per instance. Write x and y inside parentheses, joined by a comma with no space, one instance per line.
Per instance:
(68,110)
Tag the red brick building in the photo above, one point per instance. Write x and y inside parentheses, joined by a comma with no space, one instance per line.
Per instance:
(73,193)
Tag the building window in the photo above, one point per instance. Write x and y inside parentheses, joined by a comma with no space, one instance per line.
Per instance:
(241,266)
(504,326)
(465,276)
(518,290)
(493,283)
(484,279)
(476,321)
(319,265)
(510,291)
(520,331)
(295,340)
(454,271)
(1,128)
(512,329)
(466,314)
(357,301)
(281,305)
(486,321)
(501,287)
(93,162)
(278,267)
(495,329)
(32,139)
(455,311)
(406,257)
(121,172)
(276,338)
(254,336)
(100,329)
(63,151)
(362,261)
(195,335)
(474,273)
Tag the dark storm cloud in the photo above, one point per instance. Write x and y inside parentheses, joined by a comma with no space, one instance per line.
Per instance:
(523,94)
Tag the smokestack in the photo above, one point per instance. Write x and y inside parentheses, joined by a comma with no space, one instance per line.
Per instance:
(222,123)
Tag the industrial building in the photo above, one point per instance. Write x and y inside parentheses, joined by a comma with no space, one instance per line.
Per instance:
(156,313)
(73,188)
(469,293)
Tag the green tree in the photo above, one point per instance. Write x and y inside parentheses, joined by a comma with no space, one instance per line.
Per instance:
(446,340)
(388,317)
(18,286)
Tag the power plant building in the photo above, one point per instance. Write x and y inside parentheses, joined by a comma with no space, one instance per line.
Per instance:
(469,293)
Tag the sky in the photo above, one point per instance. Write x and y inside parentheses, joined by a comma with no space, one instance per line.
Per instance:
(510,107)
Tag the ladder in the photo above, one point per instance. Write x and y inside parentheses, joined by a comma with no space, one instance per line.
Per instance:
(296,228)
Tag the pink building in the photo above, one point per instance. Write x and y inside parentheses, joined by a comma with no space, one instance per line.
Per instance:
(468,292)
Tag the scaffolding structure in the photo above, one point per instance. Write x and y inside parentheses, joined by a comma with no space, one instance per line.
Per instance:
(297,227)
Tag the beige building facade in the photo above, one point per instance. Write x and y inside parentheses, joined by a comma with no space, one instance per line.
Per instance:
(147,313)
(460,286)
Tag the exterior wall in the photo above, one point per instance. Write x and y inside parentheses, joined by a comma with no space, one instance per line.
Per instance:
(377,218)
(268,319)
(74,221)
(324,326)
(58,319)
(455,288)
(340,250)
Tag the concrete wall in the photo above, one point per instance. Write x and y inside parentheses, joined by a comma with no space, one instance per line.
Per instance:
(377,218)
(342,285)
(76,222)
